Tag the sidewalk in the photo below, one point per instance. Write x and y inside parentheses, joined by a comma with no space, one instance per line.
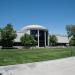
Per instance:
(64,66)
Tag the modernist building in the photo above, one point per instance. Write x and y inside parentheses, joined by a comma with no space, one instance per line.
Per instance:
(39,33)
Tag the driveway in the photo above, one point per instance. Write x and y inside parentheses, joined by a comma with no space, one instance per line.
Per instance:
(64,66)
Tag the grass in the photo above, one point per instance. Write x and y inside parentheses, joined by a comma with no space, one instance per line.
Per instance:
(19,56)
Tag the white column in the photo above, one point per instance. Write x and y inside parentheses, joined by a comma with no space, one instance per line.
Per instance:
(38,38)
(45,37)
(48,39)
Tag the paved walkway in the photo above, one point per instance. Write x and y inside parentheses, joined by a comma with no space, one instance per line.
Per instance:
(64,66)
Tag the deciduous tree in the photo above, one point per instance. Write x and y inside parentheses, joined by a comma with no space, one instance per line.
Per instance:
(71,34)
(27,40)
(8,34)
(52,40)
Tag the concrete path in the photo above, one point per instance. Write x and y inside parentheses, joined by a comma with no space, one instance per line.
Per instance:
(64,66)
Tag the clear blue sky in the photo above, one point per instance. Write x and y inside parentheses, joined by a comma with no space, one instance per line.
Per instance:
(53,14)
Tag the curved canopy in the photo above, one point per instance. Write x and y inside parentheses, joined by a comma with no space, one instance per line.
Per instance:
(33,27)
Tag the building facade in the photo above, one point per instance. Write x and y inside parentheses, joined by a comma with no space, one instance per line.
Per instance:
(62,40)
(39,33)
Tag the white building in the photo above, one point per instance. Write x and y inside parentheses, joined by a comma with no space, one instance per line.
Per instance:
(62,40)
(39,33)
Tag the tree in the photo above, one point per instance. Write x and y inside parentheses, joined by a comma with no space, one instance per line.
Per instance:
(0,29)
(27,40)
(0,35)
(70,30)
(72,41)
(52,40)
(7,36)
(71,34)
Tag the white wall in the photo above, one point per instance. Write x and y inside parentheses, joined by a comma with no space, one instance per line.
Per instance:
(20,34)
(62,39)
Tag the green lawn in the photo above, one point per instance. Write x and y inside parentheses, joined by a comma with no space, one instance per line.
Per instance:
(19,56)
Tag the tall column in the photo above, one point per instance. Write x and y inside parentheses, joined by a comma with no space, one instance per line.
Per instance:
(45,37)
(48,39)
(38,38)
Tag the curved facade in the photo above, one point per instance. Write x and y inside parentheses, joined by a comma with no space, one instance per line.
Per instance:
(39,33)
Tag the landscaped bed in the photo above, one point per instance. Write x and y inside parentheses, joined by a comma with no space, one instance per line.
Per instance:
(19,56)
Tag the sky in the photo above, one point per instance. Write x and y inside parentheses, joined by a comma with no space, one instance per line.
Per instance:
(52,14)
